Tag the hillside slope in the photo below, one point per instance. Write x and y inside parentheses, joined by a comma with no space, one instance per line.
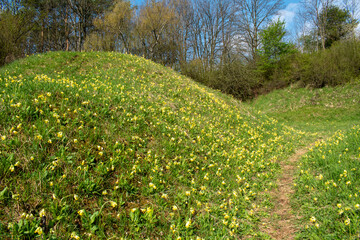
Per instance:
(321,111)
(105,145)
(326,183)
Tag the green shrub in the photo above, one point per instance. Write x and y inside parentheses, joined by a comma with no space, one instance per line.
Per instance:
(334,66)
(235,78)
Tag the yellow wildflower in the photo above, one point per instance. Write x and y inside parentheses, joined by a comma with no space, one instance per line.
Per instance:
(113,204)
(39,231)
(74,236)
(42,213)
(188,223)
(81,212)
(347,221)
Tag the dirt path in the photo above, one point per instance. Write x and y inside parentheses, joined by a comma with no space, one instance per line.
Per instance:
(281,224)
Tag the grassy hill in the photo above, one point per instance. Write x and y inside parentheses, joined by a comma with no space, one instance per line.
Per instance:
(106,145)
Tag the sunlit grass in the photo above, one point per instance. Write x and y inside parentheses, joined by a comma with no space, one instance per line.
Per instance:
(327,183)
(328,188)
(105,145)
(318,111)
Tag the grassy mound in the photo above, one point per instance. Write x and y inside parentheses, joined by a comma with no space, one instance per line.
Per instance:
(105,145)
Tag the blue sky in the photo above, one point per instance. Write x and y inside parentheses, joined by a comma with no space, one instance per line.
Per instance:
(287,14)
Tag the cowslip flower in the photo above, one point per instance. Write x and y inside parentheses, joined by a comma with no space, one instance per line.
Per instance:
(347,221)
(81,212)
(74,236)
(188,223)
(39,231)
(152,185)
(113,204)
(148,210)
(42,213)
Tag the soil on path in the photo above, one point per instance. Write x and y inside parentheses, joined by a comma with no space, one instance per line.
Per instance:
(281,224)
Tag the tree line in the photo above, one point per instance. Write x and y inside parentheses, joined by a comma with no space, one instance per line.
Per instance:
(237,46)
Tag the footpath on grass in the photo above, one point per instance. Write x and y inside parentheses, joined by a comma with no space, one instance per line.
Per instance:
(281,223)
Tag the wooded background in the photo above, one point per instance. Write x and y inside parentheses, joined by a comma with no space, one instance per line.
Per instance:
(237,46)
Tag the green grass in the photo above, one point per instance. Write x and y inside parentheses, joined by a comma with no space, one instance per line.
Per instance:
(316,111)
(328,188)
(327,182)
(106,145)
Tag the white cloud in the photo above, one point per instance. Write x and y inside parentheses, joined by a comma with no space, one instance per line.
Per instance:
(357,30)
(288,13)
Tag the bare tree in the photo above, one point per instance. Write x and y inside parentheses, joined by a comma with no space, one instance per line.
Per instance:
(353,7)
(113,29)
(83,14)
(16,24)
(227,16)
(252,16)
(212,31)
(181,30)
(154,24)
(314,12)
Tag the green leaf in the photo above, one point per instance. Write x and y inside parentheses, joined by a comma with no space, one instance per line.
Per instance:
(94,229)
(3,193)
(93,217)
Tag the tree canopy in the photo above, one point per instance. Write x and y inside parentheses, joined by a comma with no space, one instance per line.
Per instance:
(273,46)
(338,24)
(231,45)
